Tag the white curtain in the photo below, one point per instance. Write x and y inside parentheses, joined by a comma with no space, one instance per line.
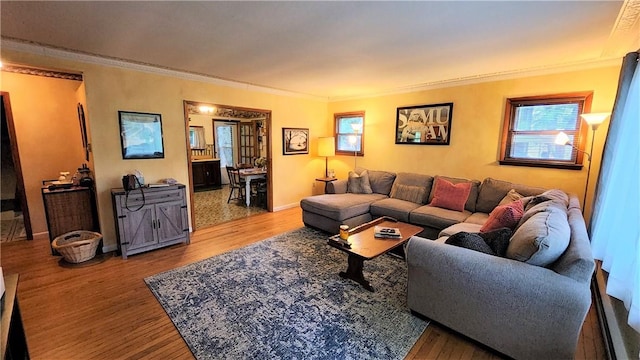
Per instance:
(615,224)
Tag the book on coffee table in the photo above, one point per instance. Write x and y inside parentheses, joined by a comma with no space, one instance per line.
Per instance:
(386,232)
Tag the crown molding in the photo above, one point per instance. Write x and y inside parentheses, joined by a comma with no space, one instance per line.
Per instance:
(26,70)
(481,78)
(65,54)
(46,51)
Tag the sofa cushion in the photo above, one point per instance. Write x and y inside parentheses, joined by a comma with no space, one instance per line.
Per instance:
(396,208)
(456,228)
(380,181)
(437,218)
(450,196)
(477,218)
(504,216)
(415,194)
(541,239)
(470,241)
(359,183)
(470,205)
(492,191)
(537,204)
(339,206)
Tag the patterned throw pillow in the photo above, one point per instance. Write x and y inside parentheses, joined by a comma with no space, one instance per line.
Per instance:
(450,196)
(504,216)
(359,184)
(415,194)
(498,240)
(471,241)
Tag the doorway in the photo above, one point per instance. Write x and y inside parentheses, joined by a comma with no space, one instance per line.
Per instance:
(225,135)
(16,224)
(231,142)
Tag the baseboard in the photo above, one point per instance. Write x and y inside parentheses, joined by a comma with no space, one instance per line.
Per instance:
(109,248)
(616,332)
(285,207)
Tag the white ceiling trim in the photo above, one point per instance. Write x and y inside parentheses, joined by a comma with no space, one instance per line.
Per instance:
(506,75)
(47,51)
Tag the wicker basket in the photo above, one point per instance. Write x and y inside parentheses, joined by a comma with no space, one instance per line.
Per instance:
(77,246)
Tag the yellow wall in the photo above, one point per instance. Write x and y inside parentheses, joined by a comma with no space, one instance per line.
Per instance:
(473,152)
(110,89)
(47,131)
(478,113)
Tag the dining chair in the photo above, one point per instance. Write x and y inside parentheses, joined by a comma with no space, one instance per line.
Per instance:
(235,184)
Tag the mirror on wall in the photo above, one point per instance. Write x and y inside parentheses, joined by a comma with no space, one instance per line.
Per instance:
(196,137)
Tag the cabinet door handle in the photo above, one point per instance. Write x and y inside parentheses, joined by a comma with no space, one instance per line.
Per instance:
(153,224)
(158,222)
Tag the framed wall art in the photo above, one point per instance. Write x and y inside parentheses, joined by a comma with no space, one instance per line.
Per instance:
(295,141)
(424,124)
(141,135)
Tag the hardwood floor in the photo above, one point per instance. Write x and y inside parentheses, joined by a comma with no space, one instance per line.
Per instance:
(104,310)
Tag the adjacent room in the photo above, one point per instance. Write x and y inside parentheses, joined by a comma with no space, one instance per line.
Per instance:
(322,180)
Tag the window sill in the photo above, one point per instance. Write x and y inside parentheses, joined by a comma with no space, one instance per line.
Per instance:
(552,165)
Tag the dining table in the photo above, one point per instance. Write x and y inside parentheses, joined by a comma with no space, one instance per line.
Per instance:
(248,175)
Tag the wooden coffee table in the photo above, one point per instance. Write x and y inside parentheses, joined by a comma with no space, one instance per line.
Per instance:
(365,246)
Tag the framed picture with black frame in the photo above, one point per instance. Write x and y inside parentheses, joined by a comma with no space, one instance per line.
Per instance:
(141,135)
(295,141)
(424,124)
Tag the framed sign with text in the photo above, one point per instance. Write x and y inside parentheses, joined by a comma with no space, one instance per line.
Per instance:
(424,124)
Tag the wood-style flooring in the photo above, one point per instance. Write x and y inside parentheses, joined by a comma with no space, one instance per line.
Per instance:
(104,310)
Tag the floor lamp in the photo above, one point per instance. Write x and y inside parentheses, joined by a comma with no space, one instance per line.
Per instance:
(594,120)
(326,148)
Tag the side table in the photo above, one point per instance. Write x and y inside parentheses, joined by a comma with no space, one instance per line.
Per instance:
(326,181)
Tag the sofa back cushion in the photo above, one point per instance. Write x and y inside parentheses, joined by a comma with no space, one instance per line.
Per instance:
(492,191)
(577,261)
(412,187)
(380,181)
(470,204)
(542,238)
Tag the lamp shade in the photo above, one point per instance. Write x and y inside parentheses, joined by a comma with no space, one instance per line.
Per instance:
(562,138)
(594,119)
(326,146)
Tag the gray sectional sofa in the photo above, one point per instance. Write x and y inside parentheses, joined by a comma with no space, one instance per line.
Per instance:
(528,305)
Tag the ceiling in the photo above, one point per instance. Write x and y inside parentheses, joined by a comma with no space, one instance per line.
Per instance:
(334,49)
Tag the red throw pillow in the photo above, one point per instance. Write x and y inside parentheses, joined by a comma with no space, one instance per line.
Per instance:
(450,196)
(504,216)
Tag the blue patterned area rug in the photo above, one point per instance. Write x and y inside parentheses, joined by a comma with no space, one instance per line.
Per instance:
(283,298)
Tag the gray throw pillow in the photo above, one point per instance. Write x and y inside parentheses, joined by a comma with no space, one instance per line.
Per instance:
(359,184)
(415,194)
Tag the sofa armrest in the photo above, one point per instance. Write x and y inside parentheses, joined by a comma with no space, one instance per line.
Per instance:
(337,187)
(522,310)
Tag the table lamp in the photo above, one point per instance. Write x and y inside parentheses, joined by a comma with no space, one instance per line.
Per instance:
(326,148)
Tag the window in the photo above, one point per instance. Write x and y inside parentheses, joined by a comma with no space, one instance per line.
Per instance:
(532,123)
(349,132)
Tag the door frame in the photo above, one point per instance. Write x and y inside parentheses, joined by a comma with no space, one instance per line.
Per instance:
(15,154)
(227,112)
